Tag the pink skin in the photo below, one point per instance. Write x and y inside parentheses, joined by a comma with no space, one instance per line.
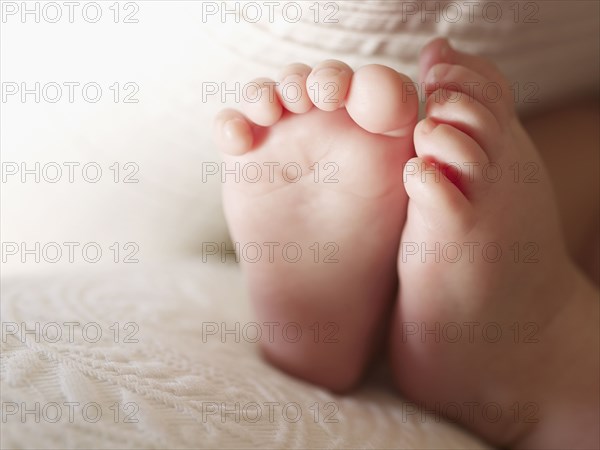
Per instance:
(359,139)
(364,123)
(542,290)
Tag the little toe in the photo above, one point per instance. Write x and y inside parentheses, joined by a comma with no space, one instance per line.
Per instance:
(291,89)
(328,84)
(383,101)
(260,102)
(232,132)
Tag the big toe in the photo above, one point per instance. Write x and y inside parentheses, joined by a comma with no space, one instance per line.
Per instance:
(383,101)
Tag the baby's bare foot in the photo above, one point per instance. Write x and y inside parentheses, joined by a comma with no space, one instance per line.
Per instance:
(493,324)
(327,211)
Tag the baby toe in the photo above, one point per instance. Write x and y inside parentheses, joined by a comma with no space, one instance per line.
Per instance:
(292,90)
(459,157)
(440,51)
(469,116)
(328,84)
(463,80)
(260,102)
(232,132)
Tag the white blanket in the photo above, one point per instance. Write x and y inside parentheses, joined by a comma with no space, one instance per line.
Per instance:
(169,374)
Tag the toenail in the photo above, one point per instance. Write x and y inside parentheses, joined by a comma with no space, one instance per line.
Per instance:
(327,72)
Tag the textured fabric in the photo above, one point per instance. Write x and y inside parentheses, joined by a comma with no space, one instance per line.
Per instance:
(176,381)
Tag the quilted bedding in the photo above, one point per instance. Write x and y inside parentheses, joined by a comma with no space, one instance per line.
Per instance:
(164,357)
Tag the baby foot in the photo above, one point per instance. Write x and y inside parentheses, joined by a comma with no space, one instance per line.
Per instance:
(326,213)
(486,288)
